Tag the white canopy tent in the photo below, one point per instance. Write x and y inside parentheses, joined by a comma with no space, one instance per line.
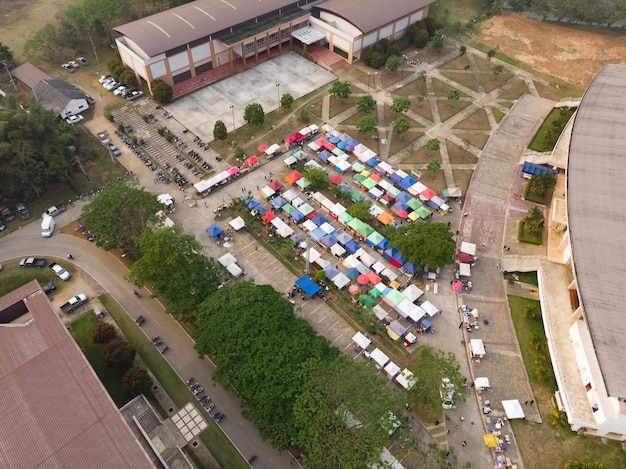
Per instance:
(237,224)
(379,357)
(267,192)
(312,255)
(272,149)
(337,250)
(482,383)
(464,270)
(227,259)
(405,379)
(477,348)
(378,267)
(234,270)
(468,248)
(380,312)
(361,340)
(390,274)
(391,370)
(340,280)
(513,409)
(309,225)
(416,314)
(413,293)
(430,308)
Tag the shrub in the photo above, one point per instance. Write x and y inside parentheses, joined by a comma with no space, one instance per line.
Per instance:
(420,38)
(118,356)
(103,333)
(377,60)
(137,381)
(161,91)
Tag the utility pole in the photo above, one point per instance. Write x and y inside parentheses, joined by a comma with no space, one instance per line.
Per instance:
(93,47)
(232,108)
(6,67)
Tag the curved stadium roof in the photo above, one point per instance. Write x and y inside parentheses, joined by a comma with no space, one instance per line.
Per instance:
(596,207)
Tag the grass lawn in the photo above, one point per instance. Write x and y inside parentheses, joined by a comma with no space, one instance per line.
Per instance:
(456,10)
(448,108)
(476,121)
(524,236)
(557,91)
(456,64)
(544,444)
(465,78)
(458,155)
(498,114)
(513,89)
(14,276)
(213,437)
(423,109)
(338,105)
(422,156)
(435,180)
(491,81)
(462,178)
(81,331)
(524,277)
(474,139)
(432,55)
(415,88)
(440,88)
(539,141)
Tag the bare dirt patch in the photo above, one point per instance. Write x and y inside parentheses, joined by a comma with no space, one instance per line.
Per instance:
(570,53)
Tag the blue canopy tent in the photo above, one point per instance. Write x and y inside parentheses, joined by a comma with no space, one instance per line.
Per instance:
(296,238)
(328,240)
(331,271)
(351,246)
(410,268)
(261,209)
(396,178)
(344,186)
(324,155)
(252,204)
(334,140)
(308,286)
(373,162)
(390,252)
(426,325)
(342,145)
(317,234)
(297,216)
(404,197)
(214,230)
(353,142)
(352,273)
(278,202)
(319,219)
(383,244)
(343,238)
(407,182)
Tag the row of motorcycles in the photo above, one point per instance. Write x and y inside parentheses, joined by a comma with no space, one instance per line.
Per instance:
(204,400)
(157,342)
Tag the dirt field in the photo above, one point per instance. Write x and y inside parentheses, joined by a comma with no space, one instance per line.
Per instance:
(569,53)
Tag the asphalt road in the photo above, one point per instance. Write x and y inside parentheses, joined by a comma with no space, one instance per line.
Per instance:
(108,274)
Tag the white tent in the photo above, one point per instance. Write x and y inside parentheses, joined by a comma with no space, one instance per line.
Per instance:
(378,267)
(361,340)
(405,379)
(413,293)
(267,192)
(391,370)
(477,348)
(297,202)
(290,195)
(385,167)
(417,188)
(341,280)
(309,225)
(227,259)
(468,248)
(375,210)
(464,270)
(379,357)
(290,160)
(482,383)
(376,193)
(430,308)
(283,229)
(380,312)
(327,227)
(272,149)
(405,307)
(318,196)
(390,274)
(337,209)
(312,255)
(234,270)
(513,409)
(323,263)
(237,224)
(416,314)
(313,146)
(337,250)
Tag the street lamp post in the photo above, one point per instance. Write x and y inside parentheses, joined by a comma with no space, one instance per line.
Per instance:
(232,108)
(278,94)
(368,82)
(390,135)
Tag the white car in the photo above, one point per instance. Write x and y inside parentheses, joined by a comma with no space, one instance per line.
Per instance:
(119,90)
(60,271)
(74,64)
(69,68)
(111,85)
(104,78)
(82,61)
(74,119)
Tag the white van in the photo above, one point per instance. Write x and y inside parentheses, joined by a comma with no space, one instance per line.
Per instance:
(47,226)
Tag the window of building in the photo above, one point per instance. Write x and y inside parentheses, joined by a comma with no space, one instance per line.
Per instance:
(260,43)
(284,33)
(273,38)
(249,48)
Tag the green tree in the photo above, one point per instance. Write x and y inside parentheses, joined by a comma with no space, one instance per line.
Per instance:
(103,333)
(400,105)
(254,115)
(425,244)
(462,50)
(172,263)
(434,165)
(219,131)
(342,413)
(5,53)
(97,15)
(361,210)
(497,70)
(393,63)
(120,213)
(118,356)
(317,177)
(577,464)
(491,54)
(366,124)
(137,381)
(340,89)
(365,104)
(542,183)
(10,101)
(320,275)
(161,91)
(240,153)
(437,40)
(453,95)
(401,126)
(534,221)
(128,77)
(428,370)
(421,76)
(304,117)
(433,144)
(286,101)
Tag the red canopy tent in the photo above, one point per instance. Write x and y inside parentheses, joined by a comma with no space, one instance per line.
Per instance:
(373,278)
(328,146)
(375,177)
(251,161)
(268,217)
(275,185)
(428,193)
(298,137)
(289,140)
(292,177)
(362,279)
(262,148)
(464,258)
(336,179)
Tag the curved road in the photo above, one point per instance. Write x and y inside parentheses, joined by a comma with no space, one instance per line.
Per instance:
(109,273)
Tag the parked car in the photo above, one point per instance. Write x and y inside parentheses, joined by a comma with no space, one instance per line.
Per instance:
(90,100)
(33,262)
(110,86)
(74,119)
(2,226)
(60,271)
(22,211)
(116,151)
(74,302)
(134,95)
(7,214)
(69,68)
(119,90)
(55,210)
(104,78)
(447,393)
(82,61)
(48,287)
(128,91)
(74,64)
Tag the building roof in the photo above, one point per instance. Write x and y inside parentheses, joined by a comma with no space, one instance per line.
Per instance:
(187,23)
(55,411)
(30,75)
(369,15)
(596,211)
(56,94)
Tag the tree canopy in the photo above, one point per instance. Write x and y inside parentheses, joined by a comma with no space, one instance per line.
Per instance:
(161,92)
(361,210)
(393,63)
(365,104)
(254,115)
(34,151)
(542,183)
(340,89)
(366,124)
(426,244)
(172,263)
(219,130)
(120,213)
(401,125)
(5,53)
(400,105)
(286,101)
(317,177)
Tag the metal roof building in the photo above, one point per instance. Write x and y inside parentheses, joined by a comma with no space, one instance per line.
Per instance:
(55,411)
(596,219)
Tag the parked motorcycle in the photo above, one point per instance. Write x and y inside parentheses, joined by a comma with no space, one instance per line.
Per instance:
(157,341)
(136,293)
(140,320)
(165,349)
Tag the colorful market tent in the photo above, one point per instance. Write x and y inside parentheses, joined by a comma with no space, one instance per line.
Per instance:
(341,281)
(214,230)
(308,286)
(251,161)
(292,177)
(361,340)
(367,301)
(237,223)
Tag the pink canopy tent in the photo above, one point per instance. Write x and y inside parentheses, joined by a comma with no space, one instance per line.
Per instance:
(363,279)
(262,148)
(251,161)
(275,185)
